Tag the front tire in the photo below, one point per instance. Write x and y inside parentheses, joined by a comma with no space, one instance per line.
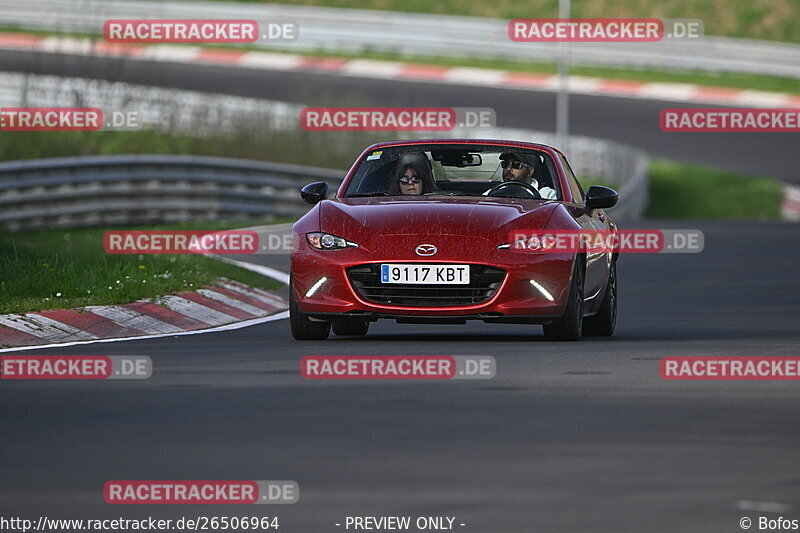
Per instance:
(304,329)
(603,323)
(569,326)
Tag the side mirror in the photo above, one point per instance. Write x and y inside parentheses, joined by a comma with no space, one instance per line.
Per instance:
(314,193)
(601,197)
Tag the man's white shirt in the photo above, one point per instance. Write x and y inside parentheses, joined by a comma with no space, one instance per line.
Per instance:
(548,193)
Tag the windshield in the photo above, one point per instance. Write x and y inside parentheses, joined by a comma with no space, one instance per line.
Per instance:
(456,170)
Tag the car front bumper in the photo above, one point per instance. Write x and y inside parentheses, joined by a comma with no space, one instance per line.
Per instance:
(535,287)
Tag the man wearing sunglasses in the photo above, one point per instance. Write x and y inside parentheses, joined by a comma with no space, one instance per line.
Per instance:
(521,167)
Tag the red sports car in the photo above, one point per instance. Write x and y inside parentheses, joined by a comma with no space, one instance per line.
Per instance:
(420,232)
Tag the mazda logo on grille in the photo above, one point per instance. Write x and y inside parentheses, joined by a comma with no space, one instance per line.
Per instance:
(426,249)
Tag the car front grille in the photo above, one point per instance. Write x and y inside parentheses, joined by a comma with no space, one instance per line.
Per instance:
(484,282)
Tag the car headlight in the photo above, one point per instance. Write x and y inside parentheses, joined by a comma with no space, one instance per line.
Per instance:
(326,241)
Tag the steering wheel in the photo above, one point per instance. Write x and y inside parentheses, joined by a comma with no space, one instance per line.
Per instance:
(514,183)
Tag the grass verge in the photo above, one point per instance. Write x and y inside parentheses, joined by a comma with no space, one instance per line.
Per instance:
(694,192)
(684,191)
(68,268)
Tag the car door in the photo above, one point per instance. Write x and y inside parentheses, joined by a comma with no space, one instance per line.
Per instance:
(598,262)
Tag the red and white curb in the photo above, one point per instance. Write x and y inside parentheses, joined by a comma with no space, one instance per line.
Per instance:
(790,207)
(363,68)
(225,303)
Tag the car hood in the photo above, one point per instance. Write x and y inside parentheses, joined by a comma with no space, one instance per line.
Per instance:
(359,219)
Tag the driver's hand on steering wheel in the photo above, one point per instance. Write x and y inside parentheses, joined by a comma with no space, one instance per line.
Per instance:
(507,184)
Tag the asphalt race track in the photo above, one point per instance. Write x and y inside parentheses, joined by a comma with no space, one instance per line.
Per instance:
(627,120)
(568,437)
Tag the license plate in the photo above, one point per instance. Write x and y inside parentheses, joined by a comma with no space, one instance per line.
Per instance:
(425,274)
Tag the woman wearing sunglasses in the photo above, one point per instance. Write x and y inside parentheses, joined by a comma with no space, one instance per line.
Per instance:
(412,176)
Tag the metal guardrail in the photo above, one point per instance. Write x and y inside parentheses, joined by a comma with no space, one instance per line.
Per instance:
(134,189)
(416,34)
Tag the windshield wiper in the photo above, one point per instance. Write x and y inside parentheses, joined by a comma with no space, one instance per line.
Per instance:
(366,194)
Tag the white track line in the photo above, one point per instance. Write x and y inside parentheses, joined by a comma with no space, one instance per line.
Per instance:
(260,269)
(678,92)
(475,76)
(264,60)
(763,507)
(177,54)
(372,69)
(66,45)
